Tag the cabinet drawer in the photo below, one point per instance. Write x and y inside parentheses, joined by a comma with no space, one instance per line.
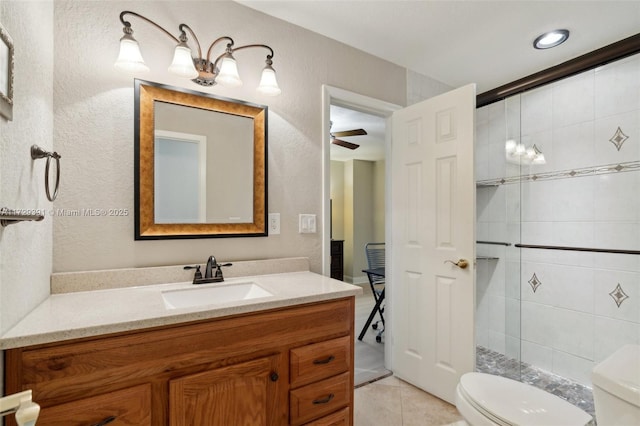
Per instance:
(129,407)
(318,399)
(340,418)
(320,360)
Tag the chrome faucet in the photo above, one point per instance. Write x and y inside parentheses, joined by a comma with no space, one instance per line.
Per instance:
(208,271)
(209,275)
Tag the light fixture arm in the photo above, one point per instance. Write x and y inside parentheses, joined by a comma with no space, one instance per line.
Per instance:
(229,49)
(127,25)
(183,37)
(256,45)
(269,56)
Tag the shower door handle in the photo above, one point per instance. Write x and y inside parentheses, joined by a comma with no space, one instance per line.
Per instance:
(461,263)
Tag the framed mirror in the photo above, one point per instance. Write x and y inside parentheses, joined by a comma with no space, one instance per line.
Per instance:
(200,165)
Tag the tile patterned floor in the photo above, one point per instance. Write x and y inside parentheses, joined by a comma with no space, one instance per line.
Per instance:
(389,401)
(393,402)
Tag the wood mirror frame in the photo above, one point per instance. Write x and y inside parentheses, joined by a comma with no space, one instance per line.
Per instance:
(146,94)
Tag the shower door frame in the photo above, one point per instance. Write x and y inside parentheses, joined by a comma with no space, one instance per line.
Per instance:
(612,52)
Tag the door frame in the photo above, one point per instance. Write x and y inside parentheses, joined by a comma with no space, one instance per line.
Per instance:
(344,98)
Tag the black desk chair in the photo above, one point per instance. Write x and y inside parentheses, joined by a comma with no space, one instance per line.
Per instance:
(375,253)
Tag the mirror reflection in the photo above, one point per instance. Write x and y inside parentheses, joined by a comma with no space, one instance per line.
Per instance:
(203,166)
(206,170)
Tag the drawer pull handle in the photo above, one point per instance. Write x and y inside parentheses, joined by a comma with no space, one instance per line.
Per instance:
(105,421)
(274,377)
(326,360)
(323,400)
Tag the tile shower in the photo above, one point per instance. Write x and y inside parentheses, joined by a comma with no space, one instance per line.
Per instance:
(559,312)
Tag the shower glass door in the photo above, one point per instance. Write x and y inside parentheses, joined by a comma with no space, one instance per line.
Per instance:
(499,156)
(558,268)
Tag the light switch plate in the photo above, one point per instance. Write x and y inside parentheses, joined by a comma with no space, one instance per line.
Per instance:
(274,223)
(307,224)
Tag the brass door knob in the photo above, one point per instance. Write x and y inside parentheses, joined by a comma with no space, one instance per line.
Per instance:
(461,263)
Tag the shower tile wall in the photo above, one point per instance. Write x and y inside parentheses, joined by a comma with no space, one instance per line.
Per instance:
(580,307)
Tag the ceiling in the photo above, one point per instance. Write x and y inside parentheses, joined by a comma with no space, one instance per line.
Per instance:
(458,42)
(371,145)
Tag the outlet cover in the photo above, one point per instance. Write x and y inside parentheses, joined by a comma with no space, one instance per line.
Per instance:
(274,223)
(307,224)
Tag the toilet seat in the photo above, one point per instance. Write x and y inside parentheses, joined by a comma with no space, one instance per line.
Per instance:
(473,413)
(507,402)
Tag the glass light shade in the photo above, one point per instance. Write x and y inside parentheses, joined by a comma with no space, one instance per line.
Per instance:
(268,83)
(531,153)
(510,146)
(130,58)
(182,64)
(228,75)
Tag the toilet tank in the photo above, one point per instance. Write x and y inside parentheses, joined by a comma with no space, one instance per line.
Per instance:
(616,388)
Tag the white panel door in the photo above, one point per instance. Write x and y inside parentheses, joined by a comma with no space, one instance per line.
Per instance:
(433,222)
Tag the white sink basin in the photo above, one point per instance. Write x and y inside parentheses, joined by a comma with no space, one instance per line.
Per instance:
(213,295)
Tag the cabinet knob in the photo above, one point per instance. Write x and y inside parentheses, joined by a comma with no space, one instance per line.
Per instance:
(274,377)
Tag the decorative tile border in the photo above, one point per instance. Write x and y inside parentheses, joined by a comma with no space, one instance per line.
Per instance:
(618,295)
(534,282)
(564,174)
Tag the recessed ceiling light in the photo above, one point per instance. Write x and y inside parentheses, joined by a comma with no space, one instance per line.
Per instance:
(551,39)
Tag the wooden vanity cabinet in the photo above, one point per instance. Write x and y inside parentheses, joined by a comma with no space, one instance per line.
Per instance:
(284,366)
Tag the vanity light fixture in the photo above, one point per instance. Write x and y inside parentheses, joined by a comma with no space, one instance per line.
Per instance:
(202,70)
(551,39)
(520,154)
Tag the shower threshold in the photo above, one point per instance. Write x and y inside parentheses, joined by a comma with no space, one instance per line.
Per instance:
(492,362)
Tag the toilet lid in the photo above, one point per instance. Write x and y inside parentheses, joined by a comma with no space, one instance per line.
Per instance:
(516,403)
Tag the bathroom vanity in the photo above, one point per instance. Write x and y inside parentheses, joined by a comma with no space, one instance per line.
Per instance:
(273,361)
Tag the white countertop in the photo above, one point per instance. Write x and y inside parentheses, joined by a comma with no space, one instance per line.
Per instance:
(91,313)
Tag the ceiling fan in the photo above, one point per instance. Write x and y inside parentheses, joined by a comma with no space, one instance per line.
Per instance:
(346,133)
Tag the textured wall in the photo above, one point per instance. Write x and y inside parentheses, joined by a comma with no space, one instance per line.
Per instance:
(94,125)
(25,248)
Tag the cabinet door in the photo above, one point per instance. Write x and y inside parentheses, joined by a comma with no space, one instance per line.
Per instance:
(126,407)
(248,393)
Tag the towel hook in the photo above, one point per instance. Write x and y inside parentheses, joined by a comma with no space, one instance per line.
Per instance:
(37,152)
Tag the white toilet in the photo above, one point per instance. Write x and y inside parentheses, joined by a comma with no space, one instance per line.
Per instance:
(616,388)
(485,399)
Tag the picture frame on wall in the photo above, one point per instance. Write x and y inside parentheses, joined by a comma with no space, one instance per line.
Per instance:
(6,74)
